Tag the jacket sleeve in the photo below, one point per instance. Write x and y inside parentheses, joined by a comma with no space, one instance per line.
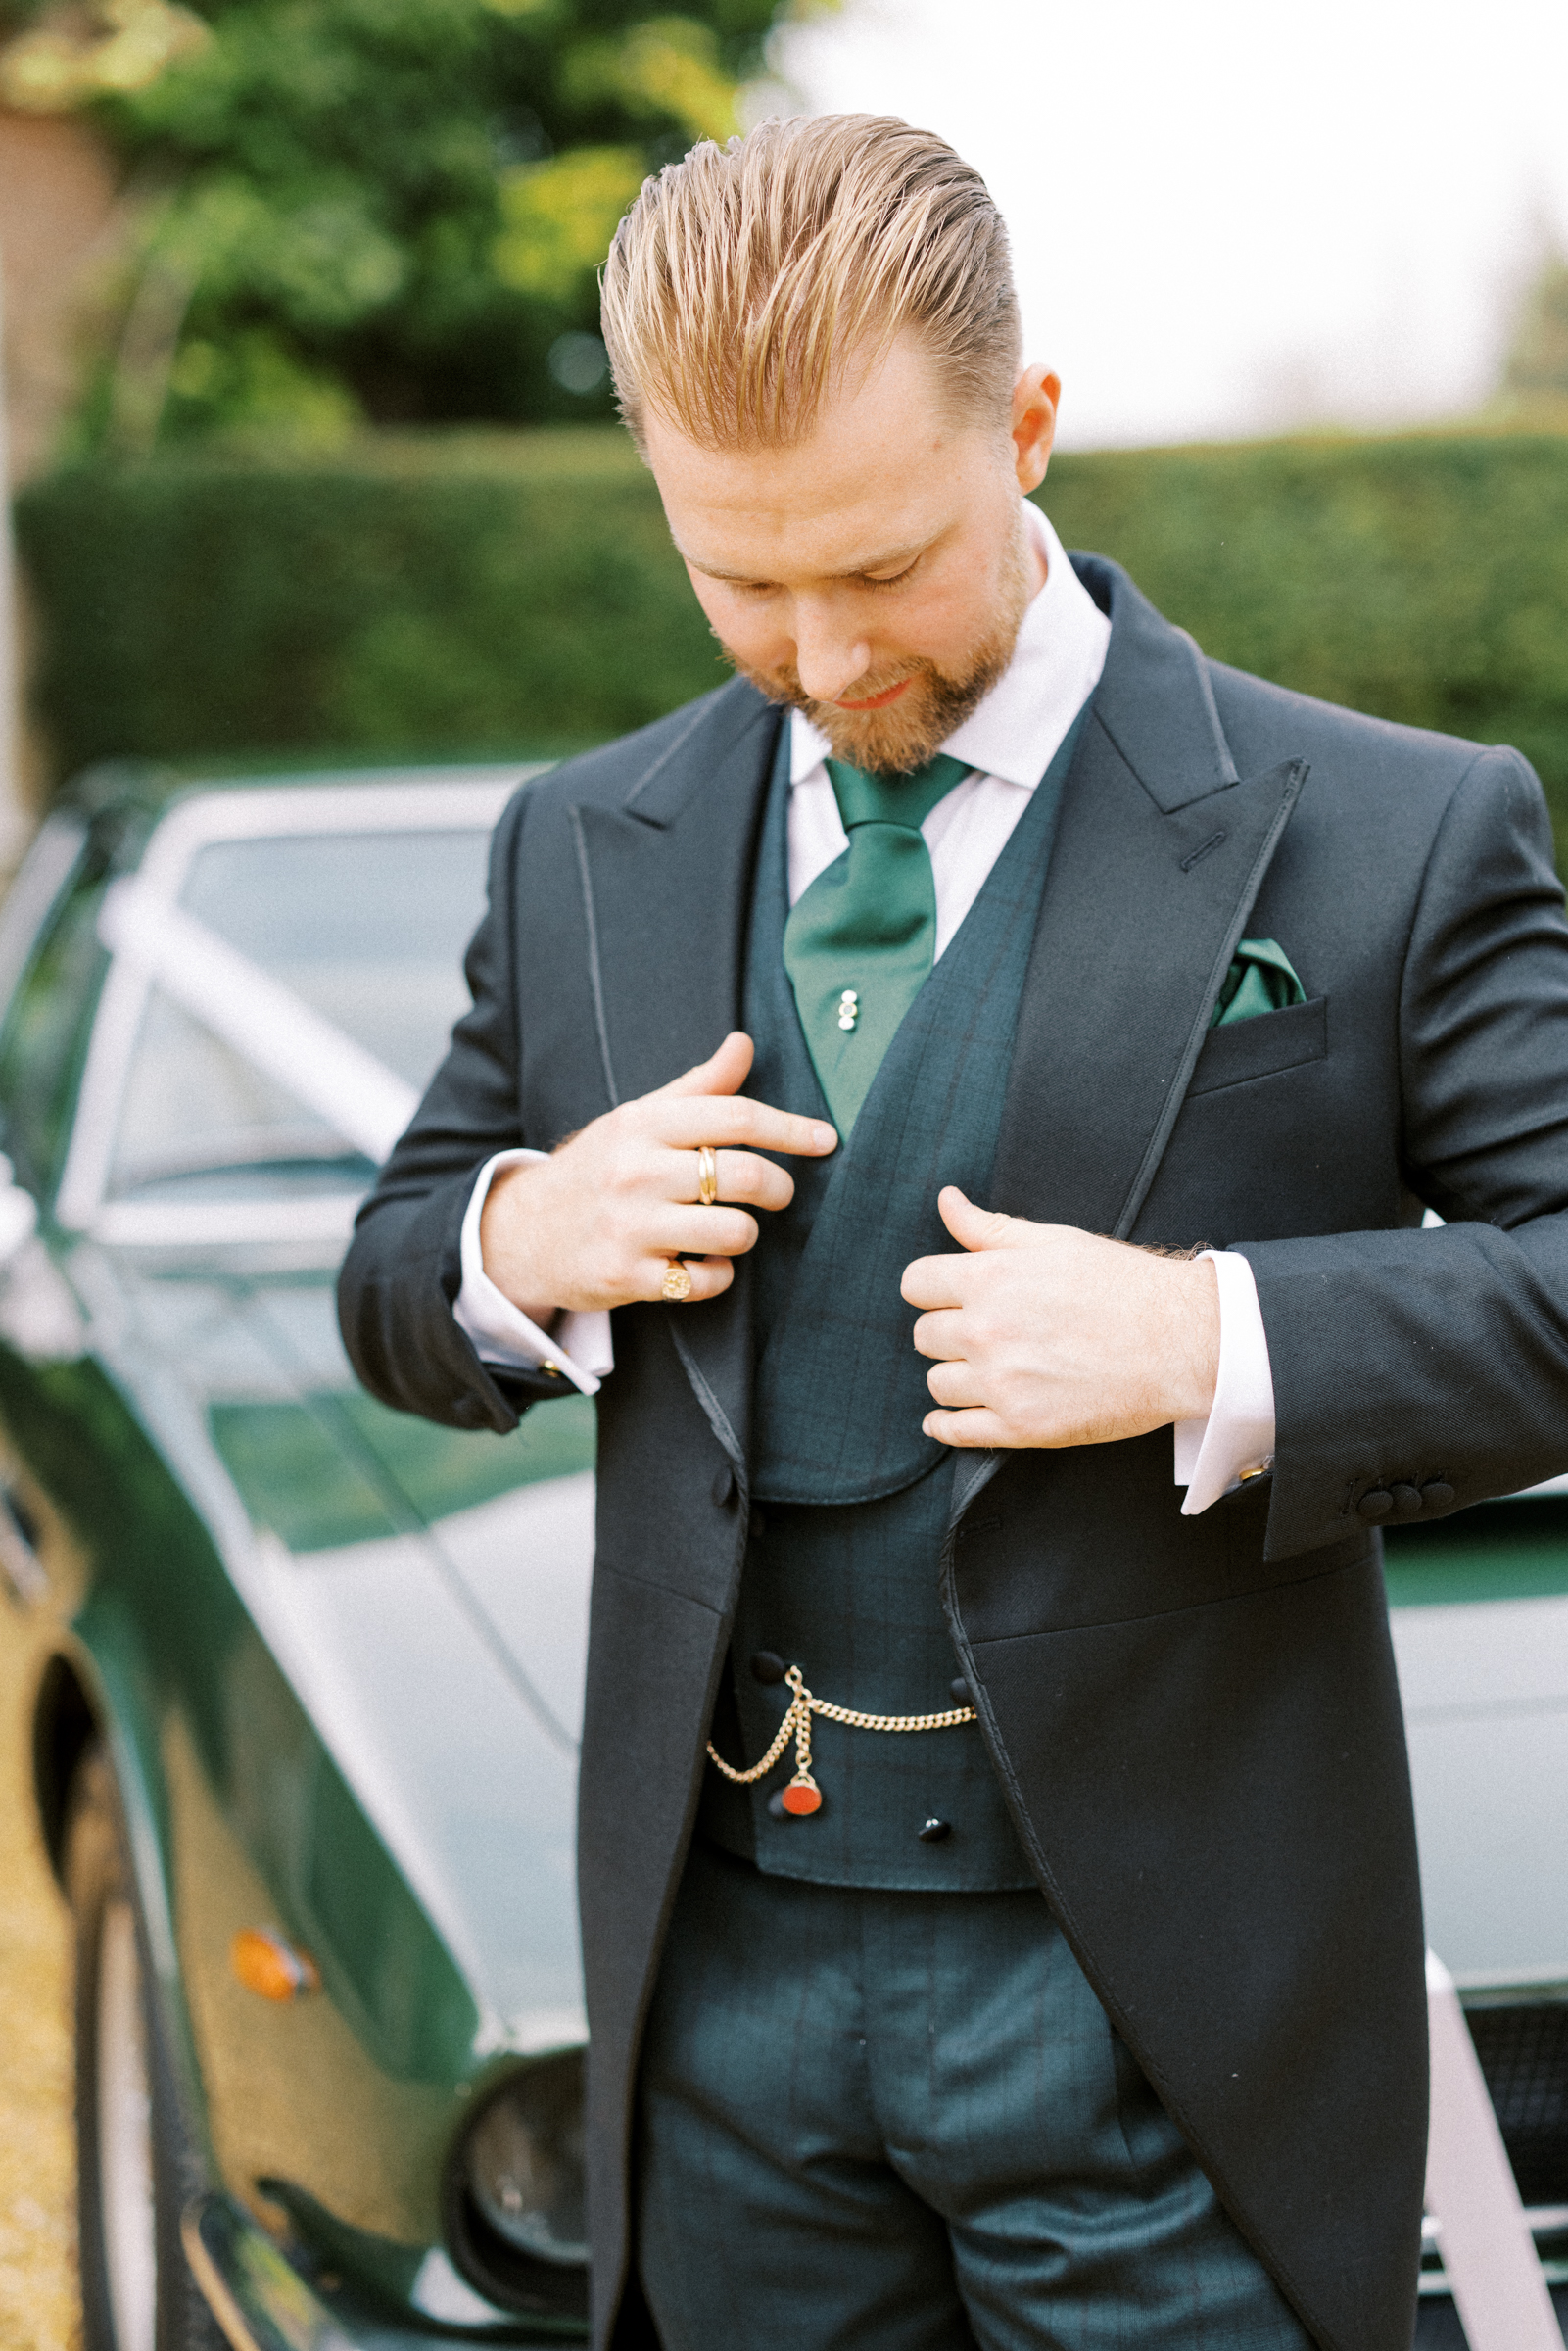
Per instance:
(1436,1362)
(403,1269)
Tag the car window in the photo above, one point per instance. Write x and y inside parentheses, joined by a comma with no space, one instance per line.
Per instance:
(44,1035)
(369,929)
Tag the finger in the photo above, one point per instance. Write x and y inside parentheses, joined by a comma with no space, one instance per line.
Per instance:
(940,1335)
(966,1429)
(709,1277)
(933,1283)
(742,1176)
(979,1228)
(738,1123)
(703,1231)
(956,1385)
(723,1073)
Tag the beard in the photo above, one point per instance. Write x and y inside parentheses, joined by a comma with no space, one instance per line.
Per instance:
(935,704)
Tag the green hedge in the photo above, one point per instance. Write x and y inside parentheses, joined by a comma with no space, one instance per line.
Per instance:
(483,595)
(1424,578)
(472,597)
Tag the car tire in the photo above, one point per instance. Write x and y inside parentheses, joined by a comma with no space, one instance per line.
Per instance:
(136,2169)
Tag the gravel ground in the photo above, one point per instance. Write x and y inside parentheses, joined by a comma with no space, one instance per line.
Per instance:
(39,2309)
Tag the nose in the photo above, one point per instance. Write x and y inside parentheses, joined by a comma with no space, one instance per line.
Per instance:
(831,656)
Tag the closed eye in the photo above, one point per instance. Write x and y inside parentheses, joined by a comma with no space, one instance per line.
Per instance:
(894,579)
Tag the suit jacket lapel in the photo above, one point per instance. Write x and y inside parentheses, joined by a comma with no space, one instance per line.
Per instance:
(666,878)
(1159,852)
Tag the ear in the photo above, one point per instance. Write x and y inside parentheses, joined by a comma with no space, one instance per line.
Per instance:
(1035,396)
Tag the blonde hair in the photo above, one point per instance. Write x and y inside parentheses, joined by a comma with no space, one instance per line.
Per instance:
(744,280)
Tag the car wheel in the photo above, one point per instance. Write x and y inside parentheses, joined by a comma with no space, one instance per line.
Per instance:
(135,2166)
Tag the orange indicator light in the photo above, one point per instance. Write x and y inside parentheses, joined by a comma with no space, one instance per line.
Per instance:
(266,1964)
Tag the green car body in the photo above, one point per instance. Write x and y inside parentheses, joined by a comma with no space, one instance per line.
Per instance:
(334,1656)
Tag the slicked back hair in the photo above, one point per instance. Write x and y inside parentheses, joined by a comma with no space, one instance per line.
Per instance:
(746,280)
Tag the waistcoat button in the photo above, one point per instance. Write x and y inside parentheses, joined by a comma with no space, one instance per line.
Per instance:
(960,1689)
(766,1667)
(934,1831)
(724,1486)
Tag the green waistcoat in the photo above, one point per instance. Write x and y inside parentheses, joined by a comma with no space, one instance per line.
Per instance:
(851,1499)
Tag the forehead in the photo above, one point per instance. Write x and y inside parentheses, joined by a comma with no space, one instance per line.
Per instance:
(884,470)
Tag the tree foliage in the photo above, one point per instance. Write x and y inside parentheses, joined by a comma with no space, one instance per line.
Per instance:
(392,210)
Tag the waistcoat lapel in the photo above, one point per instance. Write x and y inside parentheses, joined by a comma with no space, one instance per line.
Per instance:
(666,879)
(841,1390)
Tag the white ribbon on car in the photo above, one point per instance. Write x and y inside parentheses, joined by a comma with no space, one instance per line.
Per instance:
(1488,2252)
(260,1019)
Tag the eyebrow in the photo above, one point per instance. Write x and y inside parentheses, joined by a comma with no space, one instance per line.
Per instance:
(890,557)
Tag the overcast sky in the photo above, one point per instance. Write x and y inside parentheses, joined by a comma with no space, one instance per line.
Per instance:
(1238,215)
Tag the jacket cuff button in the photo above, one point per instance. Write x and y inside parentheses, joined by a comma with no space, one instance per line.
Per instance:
(1407,1501)
(1437,1494)
(1376,1503)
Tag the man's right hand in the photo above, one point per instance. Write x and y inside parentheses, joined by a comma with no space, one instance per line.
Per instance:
(597,1223)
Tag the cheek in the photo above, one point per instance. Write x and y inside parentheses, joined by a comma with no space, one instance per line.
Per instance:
(751,629)
(944,623)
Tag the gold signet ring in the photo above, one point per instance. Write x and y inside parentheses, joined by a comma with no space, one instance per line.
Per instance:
(707,1175)
(677,1282)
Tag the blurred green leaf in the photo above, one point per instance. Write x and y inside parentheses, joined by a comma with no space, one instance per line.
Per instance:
(562,216)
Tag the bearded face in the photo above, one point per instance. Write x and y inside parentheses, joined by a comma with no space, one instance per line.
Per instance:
(873,573)
(929,703)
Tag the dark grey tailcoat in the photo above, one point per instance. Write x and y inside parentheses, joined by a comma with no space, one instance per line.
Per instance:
(1196,1720)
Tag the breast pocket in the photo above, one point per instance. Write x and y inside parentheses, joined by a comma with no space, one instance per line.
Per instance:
(1262,1047)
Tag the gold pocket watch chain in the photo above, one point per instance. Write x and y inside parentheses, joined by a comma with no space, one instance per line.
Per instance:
(803,1796)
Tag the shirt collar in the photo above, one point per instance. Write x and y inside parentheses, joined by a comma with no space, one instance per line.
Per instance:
(1023,722)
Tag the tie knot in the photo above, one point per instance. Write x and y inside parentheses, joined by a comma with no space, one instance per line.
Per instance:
(907,801)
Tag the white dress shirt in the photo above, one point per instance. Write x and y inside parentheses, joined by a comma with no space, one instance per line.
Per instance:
(1008,742)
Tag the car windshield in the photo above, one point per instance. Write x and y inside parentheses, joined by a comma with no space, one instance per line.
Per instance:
(366,928)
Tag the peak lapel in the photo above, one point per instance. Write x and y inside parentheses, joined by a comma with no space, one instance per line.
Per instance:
(1159,852)
(666,879)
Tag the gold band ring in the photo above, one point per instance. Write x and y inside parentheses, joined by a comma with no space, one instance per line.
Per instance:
(676,1283)
(707,1175)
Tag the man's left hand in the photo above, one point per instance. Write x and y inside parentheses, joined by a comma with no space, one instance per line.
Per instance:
(1046,1335)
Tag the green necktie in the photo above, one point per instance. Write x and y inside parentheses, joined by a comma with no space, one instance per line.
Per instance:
(860,943)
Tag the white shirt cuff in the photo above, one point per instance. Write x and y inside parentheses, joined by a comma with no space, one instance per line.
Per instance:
(1236,1438)
(579,1347)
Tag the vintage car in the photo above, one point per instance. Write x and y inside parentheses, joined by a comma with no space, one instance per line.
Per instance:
(306,1674)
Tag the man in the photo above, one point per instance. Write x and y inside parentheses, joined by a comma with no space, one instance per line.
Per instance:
(821,1034)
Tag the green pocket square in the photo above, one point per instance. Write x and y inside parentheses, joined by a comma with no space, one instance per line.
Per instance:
(1260,978)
